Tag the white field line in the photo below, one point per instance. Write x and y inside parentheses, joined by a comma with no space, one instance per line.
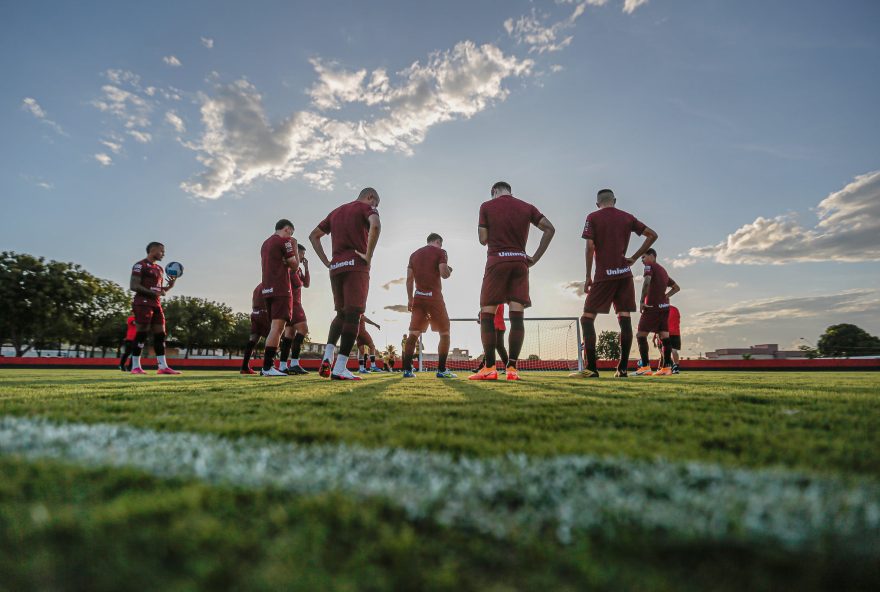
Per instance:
(510,496)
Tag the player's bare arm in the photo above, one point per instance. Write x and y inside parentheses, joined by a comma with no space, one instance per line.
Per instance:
(369,322)
(293,261)
(548,231)
(306,277)
(445,271)
(589,251)
(135,285)
(483,235)
(645,286)
(410,285)
(673,289)
(650,238)
(372,238)
(315,239)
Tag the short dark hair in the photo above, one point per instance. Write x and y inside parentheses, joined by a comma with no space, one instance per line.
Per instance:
(367,192)
(501,185)
(300,247)
(651,252)
(601,191)
(283,223)
(153,244)
(433,237)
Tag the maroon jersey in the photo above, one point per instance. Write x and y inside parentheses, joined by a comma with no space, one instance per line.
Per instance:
(610,229)
(258,303)
(151,275)
(274,255)
(298,281)
(348,226)
(425,264)
(660,280)
(507,219)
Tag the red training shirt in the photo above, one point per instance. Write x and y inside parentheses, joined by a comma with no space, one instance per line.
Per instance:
(610,229)
(151,275)
(425,263)
(507,219)
(274,255)
(674,321)
(348,227)
(130,328)
(299,279)
(258,303)
(660,280)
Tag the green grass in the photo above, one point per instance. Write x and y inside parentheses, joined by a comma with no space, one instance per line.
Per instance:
(818,422)
(73,528)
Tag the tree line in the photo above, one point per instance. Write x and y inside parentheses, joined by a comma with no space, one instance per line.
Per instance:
(47,304)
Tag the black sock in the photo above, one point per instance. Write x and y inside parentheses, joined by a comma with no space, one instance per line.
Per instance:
(364,360)
(643,350)
(517,336)
(499,347)
(126,353)
(372,360)
(667,352)
(336,328)
(349,333)
(589,330)
(408,349)
(442,353)
(248,350)
(296,347)
(285,348)
(487,335)
(140,340)
(626,341)
(269,357)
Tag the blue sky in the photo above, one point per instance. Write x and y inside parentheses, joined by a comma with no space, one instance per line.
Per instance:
(746,133)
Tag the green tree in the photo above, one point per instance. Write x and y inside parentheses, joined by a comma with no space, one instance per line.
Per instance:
(608,345)
(238,334)
(98,313)
(811,353)
(846,340)
(197,323)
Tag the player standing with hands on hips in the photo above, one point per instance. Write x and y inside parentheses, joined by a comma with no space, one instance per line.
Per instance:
(354,229)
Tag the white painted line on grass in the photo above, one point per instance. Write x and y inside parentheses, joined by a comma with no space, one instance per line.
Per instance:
(504,497)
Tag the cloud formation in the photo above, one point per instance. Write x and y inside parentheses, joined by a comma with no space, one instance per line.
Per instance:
(395,282)
(629,6)
(174,120)
(530,30)
(207,42)
(576,288)
(104,159)
(240,144)
(172,61)
(848,230)
(31,105)
(403,308)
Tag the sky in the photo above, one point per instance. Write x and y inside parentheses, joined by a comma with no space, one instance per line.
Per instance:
(745,133)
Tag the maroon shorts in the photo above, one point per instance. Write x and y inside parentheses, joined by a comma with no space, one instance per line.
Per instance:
(429,311)
(621,292)
(350,291)
(364,338)
(279,306)
(654,320)
(298,314)
(506,282)
(148,314)
(260,324)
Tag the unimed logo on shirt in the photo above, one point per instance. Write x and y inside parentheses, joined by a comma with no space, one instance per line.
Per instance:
(349,263)
(618,271)
(420,293)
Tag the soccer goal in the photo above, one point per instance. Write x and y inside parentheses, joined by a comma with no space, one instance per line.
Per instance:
(551,343)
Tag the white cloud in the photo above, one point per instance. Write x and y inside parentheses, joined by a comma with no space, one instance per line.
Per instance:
(629,6)
(395,282)
(530,30)
(31,105)
(115,147)
(131,109)
(172,61)
(175,121)
(142,137)
(207,42)
(104,159)
(848,230)
(240,144)
(574,287)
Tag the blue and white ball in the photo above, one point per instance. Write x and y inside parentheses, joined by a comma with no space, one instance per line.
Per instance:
(174,270)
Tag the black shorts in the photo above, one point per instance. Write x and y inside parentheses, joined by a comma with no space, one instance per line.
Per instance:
(675,342)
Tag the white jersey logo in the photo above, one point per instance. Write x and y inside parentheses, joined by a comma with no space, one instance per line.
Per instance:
(268,291)
(349,263)
(510,254)
(427,294)
(618,271)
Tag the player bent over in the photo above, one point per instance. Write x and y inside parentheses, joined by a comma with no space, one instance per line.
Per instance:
(607,232)
(278,256)
(298,328)
(354,228)
(259,327)
(504,227)
(366,346)
(655,313)
(147,284)
(427,268)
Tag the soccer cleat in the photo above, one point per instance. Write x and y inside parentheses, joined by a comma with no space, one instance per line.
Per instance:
(137,371)
(643,370)
(585,374)
(364,371)
(620,373)
(485,374)
(297,371)
(324,370)
(666,371)
(248,370)
(512,374)
(123,368)
(272,372)
(169,371)
(447,374)
(344,375)
(675,369)
(409,374)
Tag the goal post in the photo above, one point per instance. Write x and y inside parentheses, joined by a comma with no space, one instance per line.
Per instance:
(551,343)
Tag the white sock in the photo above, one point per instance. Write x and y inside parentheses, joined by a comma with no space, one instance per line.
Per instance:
(341,364)
(329,350)
(361,368)
(294,362)
(162,362)
(282,365)
(135,362)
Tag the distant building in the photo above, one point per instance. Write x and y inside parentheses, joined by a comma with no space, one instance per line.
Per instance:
(766,351)
(456,354)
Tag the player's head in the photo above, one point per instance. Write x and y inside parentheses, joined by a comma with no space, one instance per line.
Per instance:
(435,239)
(501,188)
(284,227)
(155,251)
(301,249)
(649,257)
(605,198)
(369,195)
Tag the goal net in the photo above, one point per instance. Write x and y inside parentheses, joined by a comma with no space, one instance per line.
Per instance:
(551,343)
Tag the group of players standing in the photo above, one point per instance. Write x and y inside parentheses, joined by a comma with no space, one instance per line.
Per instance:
(503,227)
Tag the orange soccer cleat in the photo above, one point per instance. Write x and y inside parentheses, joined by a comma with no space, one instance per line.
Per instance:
(667,371)
(484,374)
(512,374)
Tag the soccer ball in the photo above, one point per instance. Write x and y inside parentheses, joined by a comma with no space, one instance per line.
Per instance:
(174,270)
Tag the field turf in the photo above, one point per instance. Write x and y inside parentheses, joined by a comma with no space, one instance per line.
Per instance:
(71,525)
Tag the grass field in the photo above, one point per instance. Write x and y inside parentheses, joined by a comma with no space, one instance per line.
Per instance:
(214,480)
